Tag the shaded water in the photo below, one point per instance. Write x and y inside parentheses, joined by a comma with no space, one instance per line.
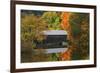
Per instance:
(40,55)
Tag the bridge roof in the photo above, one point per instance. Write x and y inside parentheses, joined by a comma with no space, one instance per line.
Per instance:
(55,32)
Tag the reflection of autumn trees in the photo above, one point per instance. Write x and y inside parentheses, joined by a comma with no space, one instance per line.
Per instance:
(76,24)
(80,28)
(84,38)
(67,27)
(53,22)
(31,26)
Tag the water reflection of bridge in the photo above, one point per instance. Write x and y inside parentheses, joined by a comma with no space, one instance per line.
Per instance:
(55,42)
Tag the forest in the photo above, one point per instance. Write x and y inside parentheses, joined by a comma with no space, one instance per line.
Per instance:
(33,22)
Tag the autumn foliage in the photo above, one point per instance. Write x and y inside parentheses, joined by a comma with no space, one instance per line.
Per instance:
(66,26)
(75,24)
